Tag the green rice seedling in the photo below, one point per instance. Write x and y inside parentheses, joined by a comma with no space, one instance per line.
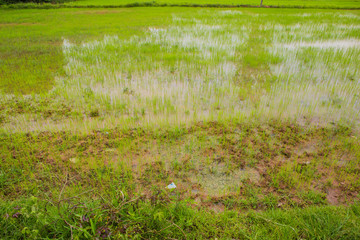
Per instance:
(210,66)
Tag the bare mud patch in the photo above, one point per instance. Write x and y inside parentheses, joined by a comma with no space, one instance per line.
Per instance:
(218,179)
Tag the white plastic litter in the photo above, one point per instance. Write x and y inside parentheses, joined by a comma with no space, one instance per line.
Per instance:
(171,186)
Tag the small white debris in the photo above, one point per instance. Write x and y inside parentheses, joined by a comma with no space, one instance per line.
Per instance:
(73,160)
(171,186)
(110,150)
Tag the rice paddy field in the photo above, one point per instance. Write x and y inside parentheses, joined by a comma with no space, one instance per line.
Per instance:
(275,3)
(253,113)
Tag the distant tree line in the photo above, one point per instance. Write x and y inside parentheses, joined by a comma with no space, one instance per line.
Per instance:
(31,1)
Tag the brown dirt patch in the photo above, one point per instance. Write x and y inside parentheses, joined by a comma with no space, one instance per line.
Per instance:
(333,195)
(242,166)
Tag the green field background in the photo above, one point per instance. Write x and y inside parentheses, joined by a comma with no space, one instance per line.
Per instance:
(290,3)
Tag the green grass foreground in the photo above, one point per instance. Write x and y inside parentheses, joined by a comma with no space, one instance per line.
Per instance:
(118,218)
